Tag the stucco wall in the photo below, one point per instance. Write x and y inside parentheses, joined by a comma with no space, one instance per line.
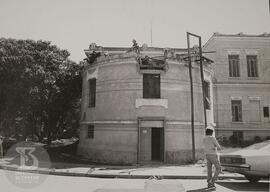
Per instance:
(119,104)
(117,143)
(244,88)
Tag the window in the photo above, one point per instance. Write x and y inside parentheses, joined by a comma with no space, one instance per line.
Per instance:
(254,111)
(90,131)
(92,92)
(266,111)
(234,66)
(207,95)
(151,86)
(236,110)
(252,67)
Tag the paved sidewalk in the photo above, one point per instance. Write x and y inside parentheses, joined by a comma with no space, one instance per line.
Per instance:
(197,171)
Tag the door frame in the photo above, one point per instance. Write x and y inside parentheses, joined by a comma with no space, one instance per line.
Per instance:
(140,119)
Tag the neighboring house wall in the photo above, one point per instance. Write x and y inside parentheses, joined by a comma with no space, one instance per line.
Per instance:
(252,92)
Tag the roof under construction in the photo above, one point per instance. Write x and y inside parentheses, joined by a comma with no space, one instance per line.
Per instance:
(148,57)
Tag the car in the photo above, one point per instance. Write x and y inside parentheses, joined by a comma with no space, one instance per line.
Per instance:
(8,142)
(253,161)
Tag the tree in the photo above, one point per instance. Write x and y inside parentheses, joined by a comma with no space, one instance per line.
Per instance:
(39,88)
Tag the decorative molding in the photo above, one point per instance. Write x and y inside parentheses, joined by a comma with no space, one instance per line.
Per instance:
(184,123)
(251,52)
(257,98)
(236,97)
(92,73)
(233,51)
(130,122)
(152,102)
(151,123)
(109,122)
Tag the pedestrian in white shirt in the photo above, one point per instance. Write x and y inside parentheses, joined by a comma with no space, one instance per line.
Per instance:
(211,146)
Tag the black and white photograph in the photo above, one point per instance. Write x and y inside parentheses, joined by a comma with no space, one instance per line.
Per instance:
(134,95)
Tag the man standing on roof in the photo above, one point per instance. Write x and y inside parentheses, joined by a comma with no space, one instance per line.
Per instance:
(211,146)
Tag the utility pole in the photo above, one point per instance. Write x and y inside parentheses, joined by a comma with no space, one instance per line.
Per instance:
(151,32)
(202,81)
(191,99)
(191,89)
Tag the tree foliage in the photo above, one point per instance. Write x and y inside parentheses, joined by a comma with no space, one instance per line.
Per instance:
(40,88)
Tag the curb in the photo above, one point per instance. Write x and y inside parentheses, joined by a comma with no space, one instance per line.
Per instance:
(119,176)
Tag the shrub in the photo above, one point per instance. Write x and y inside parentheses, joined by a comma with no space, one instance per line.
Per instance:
(257,139)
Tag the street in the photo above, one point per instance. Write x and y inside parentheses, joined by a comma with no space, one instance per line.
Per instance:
(78,184)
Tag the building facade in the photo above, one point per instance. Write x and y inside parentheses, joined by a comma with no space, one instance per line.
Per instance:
(136,105)
(241,85)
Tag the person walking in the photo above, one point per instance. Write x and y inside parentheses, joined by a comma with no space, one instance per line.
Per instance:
(211,146)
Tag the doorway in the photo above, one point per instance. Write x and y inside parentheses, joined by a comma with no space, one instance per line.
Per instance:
(151,144)
(157,144)
(151,140)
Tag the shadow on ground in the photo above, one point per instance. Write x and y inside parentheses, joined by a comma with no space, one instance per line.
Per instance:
(238,186)
(199,190)
(246,186)
(68,161)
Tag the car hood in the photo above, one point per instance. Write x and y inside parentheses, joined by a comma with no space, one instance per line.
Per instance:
(246,153)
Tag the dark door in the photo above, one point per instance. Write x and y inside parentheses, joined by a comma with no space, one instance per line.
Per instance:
(157,144)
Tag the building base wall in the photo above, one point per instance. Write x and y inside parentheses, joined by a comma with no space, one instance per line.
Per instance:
(117,144)
(183,156)
(111,144)
(108,156)
(248,135)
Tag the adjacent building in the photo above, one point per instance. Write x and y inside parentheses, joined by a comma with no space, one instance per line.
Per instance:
(241,85)
(136,105)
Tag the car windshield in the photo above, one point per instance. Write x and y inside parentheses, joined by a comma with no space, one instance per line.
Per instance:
(259,145)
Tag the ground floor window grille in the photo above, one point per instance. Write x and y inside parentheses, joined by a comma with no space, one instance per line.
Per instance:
(90,131)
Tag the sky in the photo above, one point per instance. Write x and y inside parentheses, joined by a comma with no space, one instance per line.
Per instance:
(74,24)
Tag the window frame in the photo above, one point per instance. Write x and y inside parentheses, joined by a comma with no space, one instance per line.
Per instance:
(236,109)
(90,131)
(92,83)
(155,91)
(252,66)
(234,65)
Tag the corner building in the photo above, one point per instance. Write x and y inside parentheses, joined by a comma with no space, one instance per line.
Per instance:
(136,105)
